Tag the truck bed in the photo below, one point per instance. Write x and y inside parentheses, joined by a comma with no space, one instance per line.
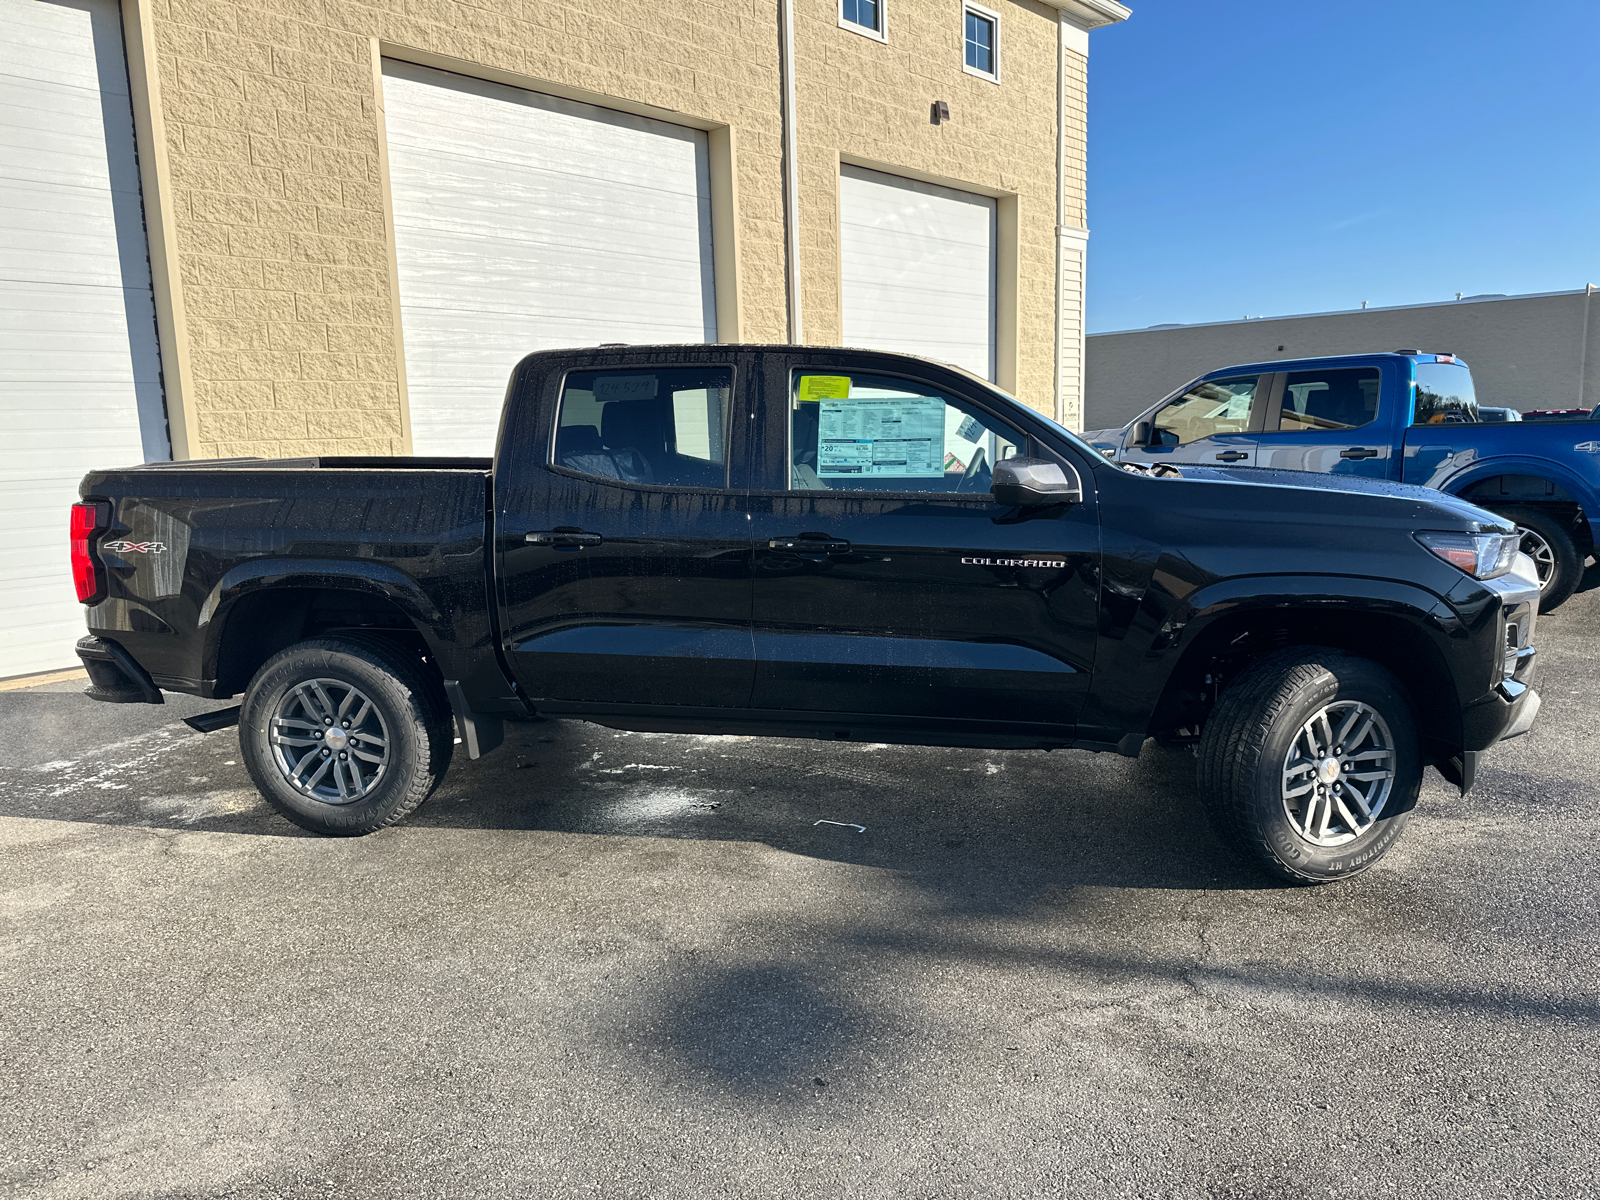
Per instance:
(205,544)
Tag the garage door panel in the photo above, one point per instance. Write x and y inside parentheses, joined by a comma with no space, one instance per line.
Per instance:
(526,222)
(541,223)
(80,383)
(918,267)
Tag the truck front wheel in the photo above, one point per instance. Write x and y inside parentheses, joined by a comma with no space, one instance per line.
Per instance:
(1310,764)
(345,735)
(1548,541)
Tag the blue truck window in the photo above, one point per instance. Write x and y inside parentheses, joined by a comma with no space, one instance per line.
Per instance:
(1338,399)
(1444,395)
(1212,407)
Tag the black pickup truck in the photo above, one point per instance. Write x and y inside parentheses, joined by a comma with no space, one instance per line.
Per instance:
(820,543)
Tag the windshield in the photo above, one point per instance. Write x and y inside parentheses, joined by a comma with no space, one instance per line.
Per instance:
(1075,438)
(1444,395)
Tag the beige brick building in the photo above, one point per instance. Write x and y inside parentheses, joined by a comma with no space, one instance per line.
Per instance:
(266,185)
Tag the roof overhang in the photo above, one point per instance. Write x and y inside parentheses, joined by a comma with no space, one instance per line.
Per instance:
(1092,14)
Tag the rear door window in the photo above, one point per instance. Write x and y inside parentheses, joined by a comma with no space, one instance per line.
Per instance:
(1344,398)
(660,427)
(1207,409)
(1445,395)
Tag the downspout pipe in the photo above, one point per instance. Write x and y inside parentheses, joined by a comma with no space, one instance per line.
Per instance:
(1061,204)
(791,175)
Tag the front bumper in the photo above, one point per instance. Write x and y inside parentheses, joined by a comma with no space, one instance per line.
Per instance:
(1512,705)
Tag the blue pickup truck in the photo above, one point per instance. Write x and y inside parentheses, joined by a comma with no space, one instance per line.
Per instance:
(1406,417)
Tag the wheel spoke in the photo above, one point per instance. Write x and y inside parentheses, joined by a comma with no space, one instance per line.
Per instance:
(279,739)
(1327,729)
(324,699)
(1297,768)
(1308,815)
(1350,823)
(365,757)
(1368,755)
(1340,739)
(361,714)
(295,723)
(354,767)
(372,738)
(338,779)
(308,702)
(1292,793)
(320,772)
(307,757)
(1369,776)
(344,705)
(1366,728)
(1361,801)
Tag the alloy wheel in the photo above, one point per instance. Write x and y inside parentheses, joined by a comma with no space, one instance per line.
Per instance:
(1338,773)
(329,740)
(1544,558)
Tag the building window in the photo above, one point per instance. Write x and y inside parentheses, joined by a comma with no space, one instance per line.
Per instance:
(862,16)
(981,41)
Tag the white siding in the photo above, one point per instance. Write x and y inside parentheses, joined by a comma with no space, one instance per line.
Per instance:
(525,222)
(918,268)
(80,382)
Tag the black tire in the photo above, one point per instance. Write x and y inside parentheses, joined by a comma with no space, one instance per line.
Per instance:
(1245,749)
(408,708)
(1566,571)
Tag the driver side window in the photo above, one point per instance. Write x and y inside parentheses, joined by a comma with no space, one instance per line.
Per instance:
(1209,408)
(878,433)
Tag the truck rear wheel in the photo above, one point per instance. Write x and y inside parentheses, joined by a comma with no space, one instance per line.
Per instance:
(1548,541)
(345,735)
(1310,764)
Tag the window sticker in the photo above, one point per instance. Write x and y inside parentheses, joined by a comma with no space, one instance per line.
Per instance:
(902,437)
(624,387)
(824,387)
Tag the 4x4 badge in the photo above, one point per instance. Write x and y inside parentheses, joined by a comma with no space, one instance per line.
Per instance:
(135,547)
(1588,447)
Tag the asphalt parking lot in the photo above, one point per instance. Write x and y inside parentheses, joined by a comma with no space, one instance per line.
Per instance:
(635,965)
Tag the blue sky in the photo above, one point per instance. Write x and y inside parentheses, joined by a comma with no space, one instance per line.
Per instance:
(1263,157)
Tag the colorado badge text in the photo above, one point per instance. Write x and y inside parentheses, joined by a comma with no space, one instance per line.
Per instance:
(1013,562)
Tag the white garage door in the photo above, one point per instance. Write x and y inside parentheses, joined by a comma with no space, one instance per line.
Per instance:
(525,222)
(918,266)
(80,381)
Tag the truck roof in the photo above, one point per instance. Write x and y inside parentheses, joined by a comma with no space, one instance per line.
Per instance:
(1330,359)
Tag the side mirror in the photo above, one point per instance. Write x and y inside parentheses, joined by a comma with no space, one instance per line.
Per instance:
(1024,482)
(1142,433)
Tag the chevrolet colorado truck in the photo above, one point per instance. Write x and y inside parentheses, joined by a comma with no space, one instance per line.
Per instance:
(1406,416)
(819,543)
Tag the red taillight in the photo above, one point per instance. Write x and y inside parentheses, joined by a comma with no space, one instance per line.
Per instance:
(88,519)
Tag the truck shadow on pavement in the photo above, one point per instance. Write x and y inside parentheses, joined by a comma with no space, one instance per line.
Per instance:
(988,831)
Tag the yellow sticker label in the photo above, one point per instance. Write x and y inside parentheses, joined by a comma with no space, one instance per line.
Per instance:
(824,387)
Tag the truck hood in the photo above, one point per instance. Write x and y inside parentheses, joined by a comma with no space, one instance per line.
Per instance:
(1471,517)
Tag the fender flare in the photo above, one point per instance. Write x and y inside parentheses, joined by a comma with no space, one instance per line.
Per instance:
(1540,468)
(265,574)
(1189,619)
(1204,606)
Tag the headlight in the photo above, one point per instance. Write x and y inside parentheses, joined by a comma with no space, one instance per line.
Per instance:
(1481,555)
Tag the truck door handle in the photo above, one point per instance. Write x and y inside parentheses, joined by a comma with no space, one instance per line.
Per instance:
(1233,455)
(563,539)
(1358,452)
(809,545)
